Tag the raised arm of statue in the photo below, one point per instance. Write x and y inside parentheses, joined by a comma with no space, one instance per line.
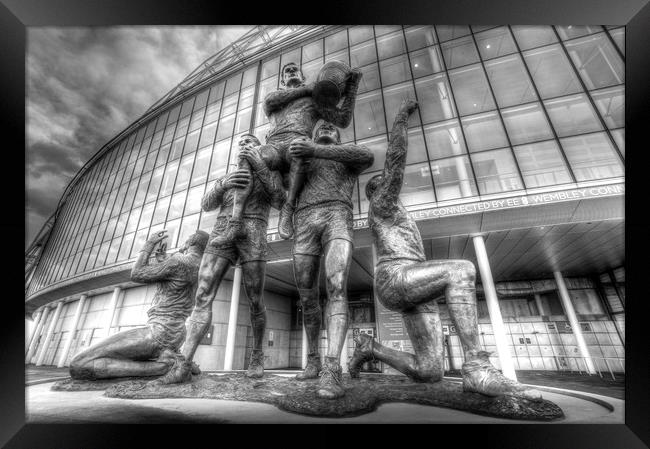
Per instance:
(145,273)
(277,100)
(214,198)
(342,116)
(354,156)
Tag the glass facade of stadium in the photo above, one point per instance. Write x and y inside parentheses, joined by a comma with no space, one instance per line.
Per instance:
(515,161)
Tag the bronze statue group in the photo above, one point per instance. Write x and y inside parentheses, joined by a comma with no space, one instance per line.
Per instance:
(305,172)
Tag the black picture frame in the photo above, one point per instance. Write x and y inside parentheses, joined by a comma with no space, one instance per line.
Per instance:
(16,15)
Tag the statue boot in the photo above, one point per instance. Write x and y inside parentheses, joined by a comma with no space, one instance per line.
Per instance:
(285,221)
(480,376)
(256,365)
(331,380)
(362,353)
(180,372)
(312,369)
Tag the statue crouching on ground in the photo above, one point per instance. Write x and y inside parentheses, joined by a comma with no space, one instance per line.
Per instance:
(408,283)
(150,350)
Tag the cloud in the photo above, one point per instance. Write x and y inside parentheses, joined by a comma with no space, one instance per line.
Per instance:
(85,85)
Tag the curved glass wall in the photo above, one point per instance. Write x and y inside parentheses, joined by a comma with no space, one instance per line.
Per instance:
(502,108)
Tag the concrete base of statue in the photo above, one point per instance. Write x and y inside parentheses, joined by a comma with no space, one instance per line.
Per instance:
(362,395)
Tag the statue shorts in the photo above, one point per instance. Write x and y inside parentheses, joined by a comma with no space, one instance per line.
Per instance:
(170,335)
(315,226)
(393,287)
(252,247)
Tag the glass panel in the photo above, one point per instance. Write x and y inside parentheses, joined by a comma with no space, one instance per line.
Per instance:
(419,36)
(212,113)
(597,61)
(200,173)
(572,115)
(448,32)
(526,123)
(426,61)
(479,28)
(541,164)
(172,232)
(459,52)
(363,54)
(193,203)
(139,241)
(249,77)
(592,157)
(434,98)
(347,134)
(611,105)
(162,155)
(444,139)
(417,152)
(161,210)
(471,90)
(243,123)
(186,109)
(341,55)
(310,70)
(191,142)
(496,171)
(216,93)
(380,30)
(453,178)
(176,206)
(393,97)
(183,178)
(619,38)
(360,34)
(125,248)
(112,251)
(201,100)
(154,185)
(370,79)
(369,115)
(189,227)
(551,72)
(232,84)
(312,51)
(271,68)
(207,220)
(145,217)
(183,125)
(510,81)
(268,86)
(391,45)
(417,187)
(531,36)
(207,135)
(229,105)
(142,189)
(336,42)
(619,138)
(226,125)
(219,162)
(571,31)
(168,180)
(484,131)
(246,98)
(394,70)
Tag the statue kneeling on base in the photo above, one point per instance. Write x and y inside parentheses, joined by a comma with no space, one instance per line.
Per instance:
(408,283)
(151,350)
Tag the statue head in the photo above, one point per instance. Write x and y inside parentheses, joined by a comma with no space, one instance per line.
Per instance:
(373,183)
(291,75)
(327,133)
(196,241)
(248,141)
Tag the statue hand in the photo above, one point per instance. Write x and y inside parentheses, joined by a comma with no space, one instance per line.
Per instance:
(237,179)
(158,237)
(302,148)
(354,76)
(408,106)
(252,156)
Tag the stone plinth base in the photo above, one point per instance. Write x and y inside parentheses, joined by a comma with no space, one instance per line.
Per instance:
(361,395)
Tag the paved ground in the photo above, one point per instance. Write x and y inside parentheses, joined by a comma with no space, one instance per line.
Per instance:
(604,386)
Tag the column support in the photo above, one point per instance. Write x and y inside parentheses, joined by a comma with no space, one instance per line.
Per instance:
(48,336)
(503,350)
(305,344)
(540,306)
(73,329)
(232,319)
(344,354)
(570,312)
(111,310)
(28,340)
(37,332)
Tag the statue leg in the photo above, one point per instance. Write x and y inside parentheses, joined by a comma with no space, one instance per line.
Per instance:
(424,328)
(125,354)
(297,176)
(211,271)
(306,271)
(253,275)
(461,303)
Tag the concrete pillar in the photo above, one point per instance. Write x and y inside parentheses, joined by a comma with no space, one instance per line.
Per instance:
(232,320)
(37,332)
(344,354)
(30,337)
(48,335)
(570,312)
(111,310)
(73,329)
(492,301)
(305,345)
(538,303)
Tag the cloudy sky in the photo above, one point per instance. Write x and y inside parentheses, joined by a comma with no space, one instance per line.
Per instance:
(85,85)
